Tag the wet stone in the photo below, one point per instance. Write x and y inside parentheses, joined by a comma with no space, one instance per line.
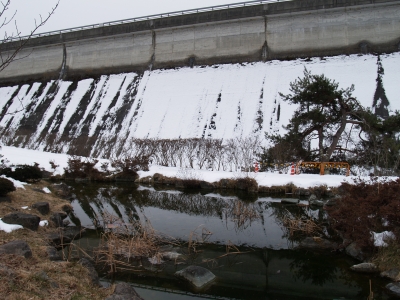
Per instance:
(355,251)
(317,243)
(123,291)
(57,219)
(198,276)
(394,288)
(393,274)
(61,190)
(364,268)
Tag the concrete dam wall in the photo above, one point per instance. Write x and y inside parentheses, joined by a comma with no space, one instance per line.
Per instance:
(101,115)
(265,32)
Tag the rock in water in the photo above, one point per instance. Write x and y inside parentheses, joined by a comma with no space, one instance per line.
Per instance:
(364,268)
(123,291)
(196,275)
(394,288)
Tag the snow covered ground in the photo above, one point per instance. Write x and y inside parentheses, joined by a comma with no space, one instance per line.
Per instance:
(25,156)
(221,101)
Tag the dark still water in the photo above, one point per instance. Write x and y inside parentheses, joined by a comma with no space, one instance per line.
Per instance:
(264,261)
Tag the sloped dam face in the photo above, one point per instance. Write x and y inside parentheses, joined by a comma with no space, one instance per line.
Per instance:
(98,116)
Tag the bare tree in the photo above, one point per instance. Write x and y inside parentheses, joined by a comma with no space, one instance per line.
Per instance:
(8,54)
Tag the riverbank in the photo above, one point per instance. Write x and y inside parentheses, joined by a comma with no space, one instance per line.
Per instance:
(39,272)
(20,156)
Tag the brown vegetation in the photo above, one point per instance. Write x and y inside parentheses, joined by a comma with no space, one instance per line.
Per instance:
(367,206)
(38,277)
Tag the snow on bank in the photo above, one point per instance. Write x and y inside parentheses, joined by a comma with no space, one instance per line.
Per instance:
(381,238)
(9,227)
(263,178)
(26,156)
(22,156)
(17,184)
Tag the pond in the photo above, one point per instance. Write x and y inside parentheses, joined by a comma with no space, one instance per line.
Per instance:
(242,238)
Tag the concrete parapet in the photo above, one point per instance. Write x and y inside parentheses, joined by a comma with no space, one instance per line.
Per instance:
(283,30)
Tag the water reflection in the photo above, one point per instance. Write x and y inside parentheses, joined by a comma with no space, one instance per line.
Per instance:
(267,270)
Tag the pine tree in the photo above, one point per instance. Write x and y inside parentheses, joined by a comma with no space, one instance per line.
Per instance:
(323,113)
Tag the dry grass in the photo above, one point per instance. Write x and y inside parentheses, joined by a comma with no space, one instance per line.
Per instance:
(197,237)
(243,214)
(62,280)
(124,245)
(388,258)
(30,195)
(298,225)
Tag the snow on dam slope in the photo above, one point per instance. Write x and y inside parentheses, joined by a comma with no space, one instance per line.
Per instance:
(221,101)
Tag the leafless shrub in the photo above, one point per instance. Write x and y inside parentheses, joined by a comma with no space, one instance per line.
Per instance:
(82,168)
(130,165)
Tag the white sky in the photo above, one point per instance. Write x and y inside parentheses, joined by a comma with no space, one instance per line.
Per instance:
(74,13)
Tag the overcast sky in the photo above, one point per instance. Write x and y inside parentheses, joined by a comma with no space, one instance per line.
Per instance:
(74,13)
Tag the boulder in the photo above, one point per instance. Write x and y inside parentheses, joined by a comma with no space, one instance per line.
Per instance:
(57,218)
(65,236)
(355,251)
(67,208)
(317,243)
(18,247)
(393,274)
(123,291)
(364,268)
(394,288)
(26,220)
(94,276)
(61,189)
(42,275)
(198,276)
(42,207)
(53,254)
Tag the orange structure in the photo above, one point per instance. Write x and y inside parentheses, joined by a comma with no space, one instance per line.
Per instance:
(324,165)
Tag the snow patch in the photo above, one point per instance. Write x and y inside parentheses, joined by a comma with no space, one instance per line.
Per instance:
(17,184)
(9,227)
(380,239)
